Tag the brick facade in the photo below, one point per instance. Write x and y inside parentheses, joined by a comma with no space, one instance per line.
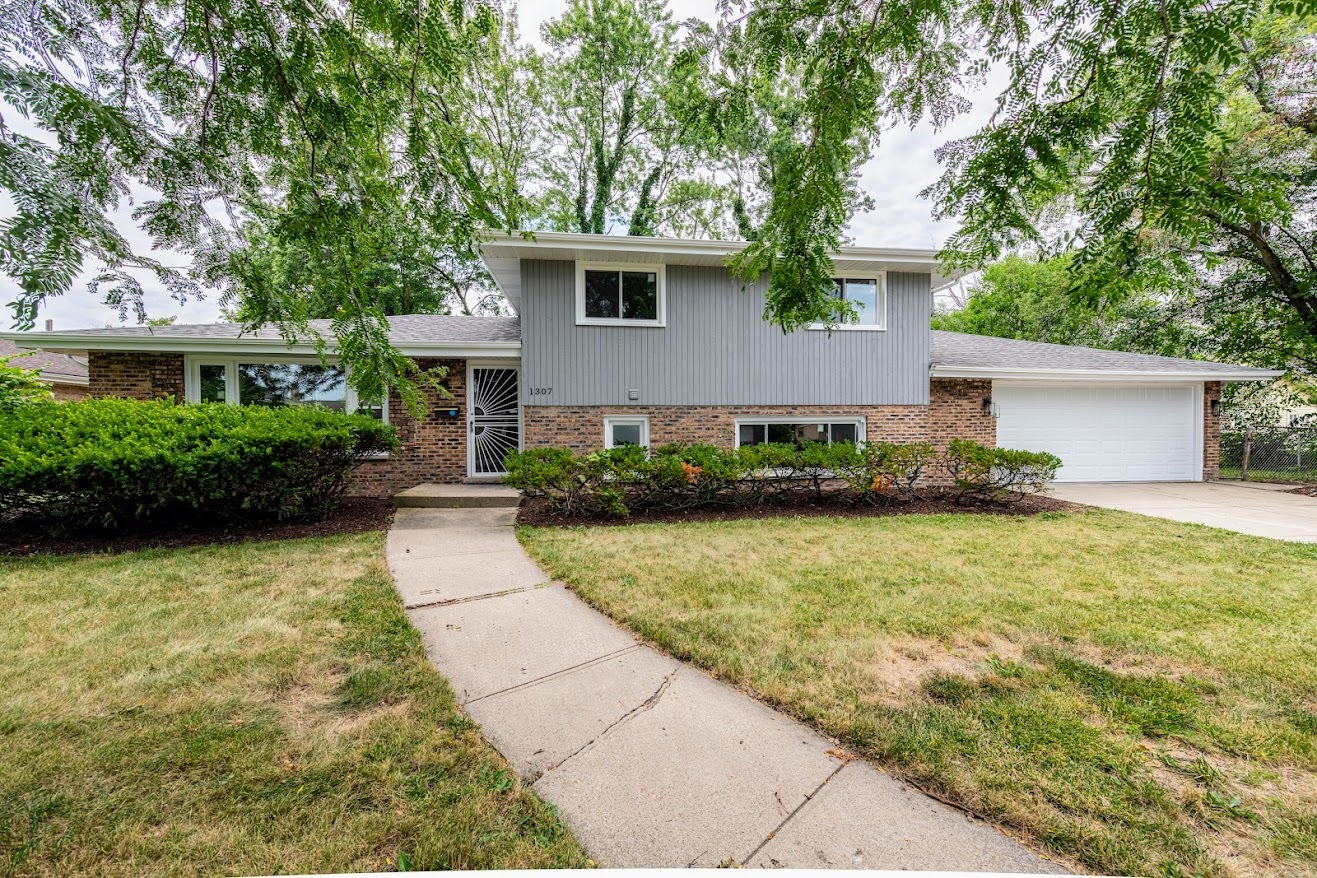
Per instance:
(956,410)
(1211,433)
(68,392)
(134,375)
(433,448)
(960,408)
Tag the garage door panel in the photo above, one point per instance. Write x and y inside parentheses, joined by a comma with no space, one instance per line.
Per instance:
(1104,433)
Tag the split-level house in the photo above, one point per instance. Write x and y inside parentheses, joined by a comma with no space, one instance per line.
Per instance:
(651,341)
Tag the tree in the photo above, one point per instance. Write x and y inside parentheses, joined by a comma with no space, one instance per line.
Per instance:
(1035,300)
(319,122)
(617,156)
(1121,114)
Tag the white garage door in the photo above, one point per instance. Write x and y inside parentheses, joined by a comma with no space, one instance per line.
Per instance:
(1104,433)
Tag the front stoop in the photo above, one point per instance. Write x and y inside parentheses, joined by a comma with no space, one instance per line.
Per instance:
(458,497)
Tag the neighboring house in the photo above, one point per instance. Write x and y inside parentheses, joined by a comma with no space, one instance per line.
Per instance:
(651,341)
(66,374)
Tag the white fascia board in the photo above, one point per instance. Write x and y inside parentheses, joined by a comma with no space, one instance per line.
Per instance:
(498,248)
(57,378)
(245,346)
(508,349)
(680,246)
(1098,374)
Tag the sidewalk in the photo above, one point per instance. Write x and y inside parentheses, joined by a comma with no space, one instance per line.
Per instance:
(651,762)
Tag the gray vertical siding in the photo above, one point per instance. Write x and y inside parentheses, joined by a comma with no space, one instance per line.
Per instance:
(717,349)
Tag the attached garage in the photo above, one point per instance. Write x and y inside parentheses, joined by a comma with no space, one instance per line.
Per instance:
(1110,416)
(1106,432)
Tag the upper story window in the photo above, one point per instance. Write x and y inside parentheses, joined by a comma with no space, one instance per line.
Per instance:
(620,295)
(868,294)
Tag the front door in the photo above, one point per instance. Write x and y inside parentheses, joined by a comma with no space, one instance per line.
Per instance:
(493,418)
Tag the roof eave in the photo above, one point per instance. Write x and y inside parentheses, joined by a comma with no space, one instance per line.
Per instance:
(529,242)
(187,345)
(1131,375)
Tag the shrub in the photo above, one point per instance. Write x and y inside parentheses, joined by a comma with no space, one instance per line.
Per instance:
(998,473)
(20,387)
(110,464)
(620,481)
(880,471)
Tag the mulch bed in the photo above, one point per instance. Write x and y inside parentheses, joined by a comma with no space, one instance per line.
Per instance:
(537,511)
(1305,490)
(356,515)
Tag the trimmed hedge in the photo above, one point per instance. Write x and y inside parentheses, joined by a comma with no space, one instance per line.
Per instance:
(110,464)
(619,481)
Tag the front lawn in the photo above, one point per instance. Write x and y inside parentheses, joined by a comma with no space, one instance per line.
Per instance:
(257,708)
(1138,695)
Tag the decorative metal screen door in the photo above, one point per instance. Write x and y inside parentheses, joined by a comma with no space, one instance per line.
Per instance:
(494,418)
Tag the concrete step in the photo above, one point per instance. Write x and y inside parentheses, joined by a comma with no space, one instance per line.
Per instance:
(458,496)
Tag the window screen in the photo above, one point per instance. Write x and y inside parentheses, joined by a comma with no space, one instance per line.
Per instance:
(625,295)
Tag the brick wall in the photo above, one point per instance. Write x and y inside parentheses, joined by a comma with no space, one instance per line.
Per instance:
(581,428)
(1211,433)
(433,448)
(956,410)
(135,375)
(68,392)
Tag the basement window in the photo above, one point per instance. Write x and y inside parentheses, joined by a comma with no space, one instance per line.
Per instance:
(619,431)
(797,431)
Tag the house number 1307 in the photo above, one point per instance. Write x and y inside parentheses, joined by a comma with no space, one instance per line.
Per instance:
(541,391)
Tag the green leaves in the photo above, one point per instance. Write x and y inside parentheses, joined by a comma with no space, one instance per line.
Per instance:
(111,464)
(20,387)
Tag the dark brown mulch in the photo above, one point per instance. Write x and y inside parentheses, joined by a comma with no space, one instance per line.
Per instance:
(1306,490)
(537,511)
(355,515)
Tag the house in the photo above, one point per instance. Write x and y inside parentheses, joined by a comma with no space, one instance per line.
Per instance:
(65,374)
(651,341)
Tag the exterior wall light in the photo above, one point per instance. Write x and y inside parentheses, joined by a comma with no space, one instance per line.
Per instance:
(1216,408)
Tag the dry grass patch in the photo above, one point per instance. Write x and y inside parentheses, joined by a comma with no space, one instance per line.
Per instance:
(246,709)
(1136,694)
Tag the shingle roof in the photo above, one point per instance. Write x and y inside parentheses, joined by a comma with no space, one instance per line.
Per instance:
(402,329)
(54,366)
(955,350)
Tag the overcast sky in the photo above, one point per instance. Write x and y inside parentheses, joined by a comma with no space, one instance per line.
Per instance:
(901,167)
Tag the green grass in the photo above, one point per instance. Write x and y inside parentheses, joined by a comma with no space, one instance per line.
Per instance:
(1298,477)
(1139,696)
(258,708)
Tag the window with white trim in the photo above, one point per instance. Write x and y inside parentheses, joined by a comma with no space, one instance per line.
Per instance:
(797,431)
(629,430)
(273,382)
(867,293)
(620,294)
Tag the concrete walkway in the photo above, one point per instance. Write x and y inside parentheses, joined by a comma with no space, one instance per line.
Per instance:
(651,762)
(1260,510)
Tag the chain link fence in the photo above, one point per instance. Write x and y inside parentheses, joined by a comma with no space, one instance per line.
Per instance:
(1270,454)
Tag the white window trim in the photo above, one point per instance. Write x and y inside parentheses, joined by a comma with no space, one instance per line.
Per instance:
(861,424)
(627,420)
(192,376)
(881,325)
(660,276)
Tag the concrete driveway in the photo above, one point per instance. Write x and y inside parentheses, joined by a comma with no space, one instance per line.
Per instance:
(1260,510)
